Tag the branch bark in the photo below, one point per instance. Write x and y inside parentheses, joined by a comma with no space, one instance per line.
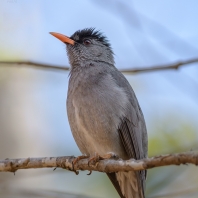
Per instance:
(174,66)
(110,165)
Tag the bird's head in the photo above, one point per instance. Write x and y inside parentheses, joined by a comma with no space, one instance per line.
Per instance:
(87,46)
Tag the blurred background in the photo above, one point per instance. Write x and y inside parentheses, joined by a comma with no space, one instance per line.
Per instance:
(33,120)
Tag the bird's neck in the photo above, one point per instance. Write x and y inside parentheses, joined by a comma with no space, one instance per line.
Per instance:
(90,63)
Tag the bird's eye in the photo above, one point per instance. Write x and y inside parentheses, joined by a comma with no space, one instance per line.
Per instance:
(86,42)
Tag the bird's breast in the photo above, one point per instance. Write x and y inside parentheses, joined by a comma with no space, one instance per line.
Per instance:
(95,112)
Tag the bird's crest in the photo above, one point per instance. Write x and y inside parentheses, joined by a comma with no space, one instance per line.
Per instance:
(79,35)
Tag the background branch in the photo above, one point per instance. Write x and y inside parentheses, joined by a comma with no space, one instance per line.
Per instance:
(111,165)
(161,67)
(33,65)
(133,70)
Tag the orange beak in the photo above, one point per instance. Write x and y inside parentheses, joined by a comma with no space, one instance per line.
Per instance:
(63,38)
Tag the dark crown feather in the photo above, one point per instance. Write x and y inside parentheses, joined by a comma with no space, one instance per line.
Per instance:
(79,35)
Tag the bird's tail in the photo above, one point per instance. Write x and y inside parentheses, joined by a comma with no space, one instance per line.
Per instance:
(130,185)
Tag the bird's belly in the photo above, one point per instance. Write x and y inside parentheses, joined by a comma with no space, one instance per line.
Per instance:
(97,133)
(99,142)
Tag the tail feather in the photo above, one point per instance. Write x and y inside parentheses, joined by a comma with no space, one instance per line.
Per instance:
(112,177)
(129,184)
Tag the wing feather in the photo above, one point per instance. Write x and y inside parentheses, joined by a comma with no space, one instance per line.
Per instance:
(132,129)
(130,141)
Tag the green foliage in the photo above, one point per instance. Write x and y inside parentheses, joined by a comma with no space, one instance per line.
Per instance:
(170,136)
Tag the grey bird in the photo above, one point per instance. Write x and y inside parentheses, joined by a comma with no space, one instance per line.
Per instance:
(103,111)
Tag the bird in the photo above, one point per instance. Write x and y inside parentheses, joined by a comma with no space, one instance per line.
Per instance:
(103,112)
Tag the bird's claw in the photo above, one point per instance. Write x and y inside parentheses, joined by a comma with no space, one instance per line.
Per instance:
(76,160)
(92,161)
(95,159)
(89,172)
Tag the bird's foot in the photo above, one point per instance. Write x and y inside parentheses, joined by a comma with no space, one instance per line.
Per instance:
(95,159)
(76,160)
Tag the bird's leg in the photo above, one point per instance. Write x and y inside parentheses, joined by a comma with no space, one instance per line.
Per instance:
(95,159)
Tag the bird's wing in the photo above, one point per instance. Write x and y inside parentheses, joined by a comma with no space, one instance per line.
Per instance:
(132,145)
(131,133)
(132,128)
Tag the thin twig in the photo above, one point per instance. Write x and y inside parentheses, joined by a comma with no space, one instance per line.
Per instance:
(133,70)
(110,165)
(34,65)
(160,67)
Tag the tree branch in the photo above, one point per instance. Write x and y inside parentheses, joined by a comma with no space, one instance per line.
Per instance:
(133,70)
(110,165)
(160,67)
(33,65)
